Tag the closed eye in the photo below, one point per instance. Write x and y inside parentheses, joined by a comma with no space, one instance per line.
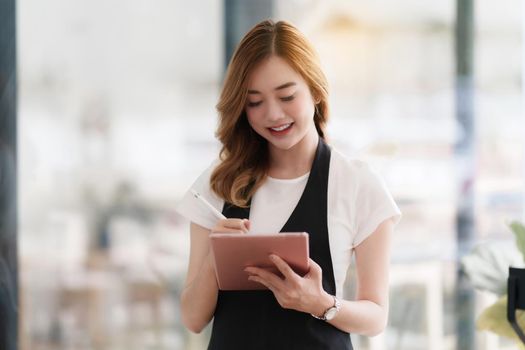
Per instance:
(284,99)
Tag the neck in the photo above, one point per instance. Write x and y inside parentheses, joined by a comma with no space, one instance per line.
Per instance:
(296,161)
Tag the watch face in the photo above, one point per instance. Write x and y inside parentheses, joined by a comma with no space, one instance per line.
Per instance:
(331,313)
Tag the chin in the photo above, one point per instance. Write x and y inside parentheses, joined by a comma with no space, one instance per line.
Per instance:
(285,146)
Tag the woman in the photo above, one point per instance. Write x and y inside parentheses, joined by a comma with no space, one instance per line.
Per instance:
(276,173)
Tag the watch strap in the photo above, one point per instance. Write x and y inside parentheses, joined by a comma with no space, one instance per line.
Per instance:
(337,306)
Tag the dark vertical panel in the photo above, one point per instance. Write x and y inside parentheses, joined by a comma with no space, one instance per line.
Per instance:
(239,17)
(465,165)
(8,211)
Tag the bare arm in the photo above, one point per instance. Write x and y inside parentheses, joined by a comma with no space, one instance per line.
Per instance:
(199,296)
(368,314)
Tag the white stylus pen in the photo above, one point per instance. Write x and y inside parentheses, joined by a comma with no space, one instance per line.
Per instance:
(215,212)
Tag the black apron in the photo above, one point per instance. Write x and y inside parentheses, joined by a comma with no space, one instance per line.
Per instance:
(254,319)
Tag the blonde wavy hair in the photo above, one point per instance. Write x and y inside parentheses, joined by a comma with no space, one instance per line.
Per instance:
(244,157)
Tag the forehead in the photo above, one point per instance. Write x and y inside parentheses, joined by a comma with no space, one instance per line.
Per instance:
(271,73)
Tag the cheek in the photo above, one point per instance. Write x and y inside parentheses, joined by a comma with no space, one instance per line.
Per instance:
(302,108)
(252,117)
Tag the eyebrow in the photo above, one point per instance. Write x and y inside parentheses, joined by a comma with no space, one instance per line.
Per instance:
(280,87)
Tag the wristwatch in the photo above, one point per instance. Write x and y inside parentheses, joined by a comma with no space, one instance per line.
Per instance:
(330,312)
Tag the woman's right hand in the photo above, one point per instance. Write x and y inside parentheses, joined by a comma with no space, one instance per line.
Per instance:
(232,226)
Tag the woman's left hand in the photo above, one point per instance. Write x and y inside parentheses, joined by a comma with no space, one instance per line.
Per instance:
(304,294)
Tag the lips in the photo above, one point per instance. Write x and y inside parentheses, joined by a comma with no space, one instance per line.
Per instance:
(281,129)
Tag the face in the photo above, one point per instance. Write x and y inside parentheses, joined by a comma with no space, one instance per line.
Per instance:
(279,105)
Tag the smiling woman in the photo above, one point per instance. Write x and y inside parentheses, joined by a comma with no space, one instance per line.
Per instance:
(277,173)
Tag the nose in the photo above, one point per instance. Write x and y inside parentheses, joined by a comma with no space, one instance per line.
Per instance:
(274,112)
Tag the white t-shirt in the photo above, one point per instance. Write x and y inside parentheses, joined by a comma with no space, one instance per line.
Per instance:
(358,201)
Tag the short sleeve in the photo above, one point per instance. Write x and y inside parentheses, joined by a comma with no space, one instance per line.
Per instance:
(194,210)
(374,204)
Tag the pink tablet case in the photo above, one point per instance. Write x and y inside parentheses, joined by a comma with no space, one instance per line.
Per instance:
(234,252)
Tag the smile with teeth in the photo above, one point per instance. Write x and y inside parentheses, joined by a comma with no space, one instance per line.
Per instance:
(282,127)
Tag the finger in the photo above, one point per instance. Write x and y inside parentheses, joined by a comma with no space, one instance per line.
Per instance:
(315,269)
(246,224)
(231,230)
(226,230)
(267,276)
(283,267)
(263,282)
(276,291)
(237,224)
(230,226)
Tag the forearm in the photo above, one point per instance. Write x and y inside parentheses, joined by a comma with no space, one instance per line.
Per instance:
(358,317)
(199,298)
(369,314)
(361,317)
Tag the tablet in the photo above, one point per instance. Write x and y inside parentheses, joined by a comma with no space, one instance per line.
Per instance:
(234,252)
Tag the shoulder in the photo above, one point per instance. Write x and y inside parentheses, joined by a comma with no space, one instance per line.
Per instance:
(193,210)
(211,166)
(350,170)
(203,181)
